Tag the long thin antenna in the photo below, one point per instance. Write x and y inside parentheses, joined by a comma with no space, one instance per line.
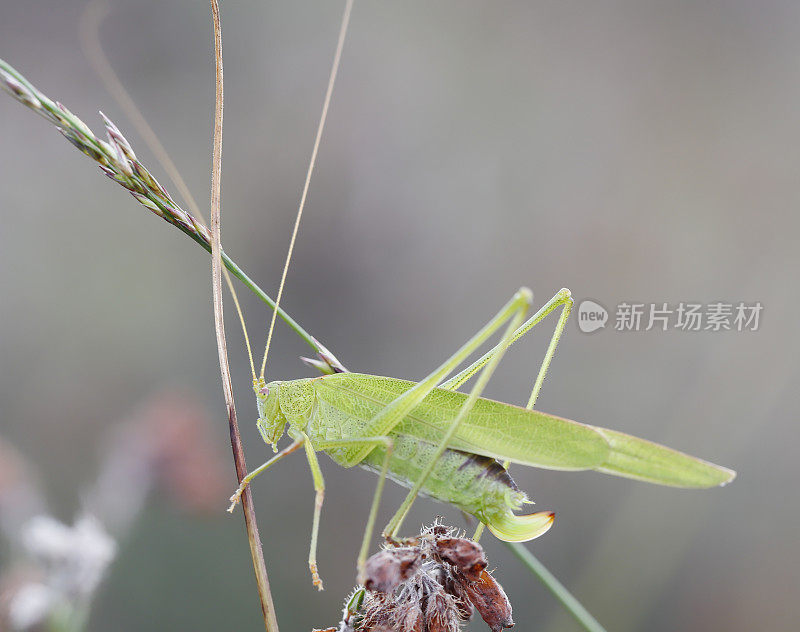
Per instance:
(331,81)
(94,13)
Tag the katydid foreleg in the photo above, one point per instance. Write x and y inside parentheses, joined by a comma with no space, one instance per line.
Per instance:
(319,496)
(251,475)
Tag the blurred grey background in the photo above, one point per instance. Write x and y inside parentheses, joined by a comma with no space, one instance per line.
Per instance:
(631,151)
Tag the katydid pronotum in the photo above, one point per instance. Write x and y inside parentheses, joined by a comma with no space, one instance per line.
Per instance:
(450,445)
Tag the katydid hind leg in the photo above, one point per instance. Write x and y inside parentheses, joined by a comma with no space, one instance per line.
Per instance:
(512,316)
(563,298)
(565,302)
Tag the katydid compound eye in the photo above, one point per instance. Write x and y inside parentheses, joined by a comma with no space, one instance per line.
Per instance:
(264,391)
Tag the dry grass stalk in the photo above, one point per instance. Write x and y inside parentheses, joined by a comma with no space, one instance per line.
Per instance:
(256,552)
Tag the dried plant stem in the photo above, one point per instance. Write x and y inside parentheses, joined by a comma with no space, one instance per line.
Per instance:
(256,552)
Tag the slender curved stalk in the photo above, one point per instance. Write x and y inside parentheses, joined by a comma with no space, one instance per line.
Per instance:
(558,590)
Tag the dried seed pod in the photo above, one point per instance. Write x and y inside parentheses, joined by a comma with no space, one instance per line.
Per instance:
(387,569)
(490,601)
(462,553)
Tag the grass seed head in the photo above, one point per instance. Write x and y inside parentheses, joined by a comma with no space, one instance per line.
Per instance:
(115,156)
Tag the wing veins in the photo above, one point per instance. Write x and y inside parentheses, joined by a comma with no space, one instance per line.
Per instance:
(465,443)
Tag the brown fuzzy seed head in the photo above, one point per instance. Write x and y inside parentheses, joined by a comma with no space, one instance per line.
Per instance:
(387,569)
(378,608)
(428,583)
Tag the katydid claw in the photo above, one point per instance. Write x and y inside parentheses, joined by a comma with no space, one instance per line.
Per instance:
(315,578)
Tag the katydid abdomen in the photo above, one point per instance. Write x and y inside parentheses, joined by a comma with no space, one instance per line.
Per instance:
(476,484)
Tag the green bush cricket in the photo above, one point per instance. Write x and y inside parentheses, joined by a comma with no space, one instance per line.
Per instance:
(450,445)
(437,441)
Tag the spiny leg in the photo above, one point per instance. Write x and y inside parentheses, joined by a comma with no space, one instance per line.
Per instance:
(246,480)
(376,498)
(513,314)
(392,414)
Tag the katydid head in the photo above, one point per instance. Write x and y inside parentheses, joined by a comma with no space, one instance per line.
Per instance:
(271,421)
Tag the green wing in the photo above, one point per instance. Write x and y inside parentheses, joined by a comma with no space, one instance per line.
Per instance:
(528,437)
